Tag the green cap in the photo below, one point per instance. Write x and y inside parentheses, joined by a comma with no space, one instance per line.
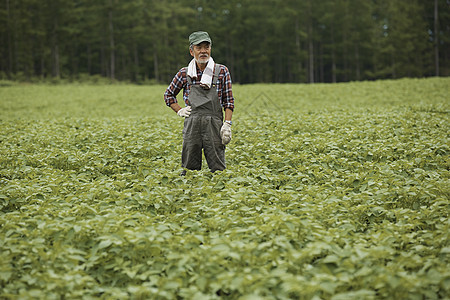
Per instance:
(199,36)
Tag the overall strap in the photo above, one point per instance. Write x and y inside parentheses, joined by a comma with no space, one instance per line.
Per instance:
(189,80)
(216,71)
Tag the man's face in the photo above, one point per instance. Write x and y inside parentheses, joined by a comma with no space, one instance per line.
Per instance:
(201,52)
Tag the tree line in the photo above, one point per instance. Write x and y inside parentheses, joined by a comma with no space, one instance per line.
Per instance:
(259,40)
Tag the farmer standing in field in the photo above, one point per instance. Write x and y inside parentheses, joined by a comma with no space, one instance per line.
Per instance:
(207,94)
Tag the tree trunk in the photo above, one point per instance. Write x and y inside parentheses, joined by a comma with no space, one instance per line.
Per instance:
(311,55)
(104,60)
(436,37)
(10,47)
(155,65)
(333,67)
(393,62)
(111,42)
(358,67)
(322,70)
(310,44)
(299,50)
(346,45)
(55,50)
(56,72)
(146,71)
(42,62)
(136,63)
(345,57)
(333,57)
(279,66)
(89,59)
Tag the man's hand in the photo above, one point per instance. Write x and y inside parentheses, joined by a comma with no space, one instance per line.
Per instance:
(225,133)
(184,112)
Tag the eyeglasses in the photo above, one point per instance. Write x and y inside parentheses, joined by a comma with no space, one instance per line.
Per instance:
(202,47)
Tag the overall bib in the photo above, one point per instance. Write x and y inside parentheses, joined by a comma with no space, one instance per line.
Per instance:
(202,128)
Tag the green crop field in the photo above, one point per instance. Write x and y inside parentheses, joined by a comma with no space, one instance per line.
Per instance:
(333,191)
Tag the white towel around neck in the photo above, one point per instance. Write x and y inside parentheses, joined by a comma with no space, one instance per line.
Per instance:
(207,73)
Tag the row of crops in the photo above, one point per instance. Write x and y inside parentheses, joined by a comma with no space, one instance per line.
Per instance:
(331,192)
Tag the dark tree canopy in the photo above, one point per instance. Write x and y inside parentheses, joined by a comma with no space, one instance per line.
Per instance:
(259,40)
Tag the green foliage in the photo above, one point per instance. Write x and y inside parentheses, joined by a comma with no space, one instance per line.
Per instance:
(259,40)
(331,192)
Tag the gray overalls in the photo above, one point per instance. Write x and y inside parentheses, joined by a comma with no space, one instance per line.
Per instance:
(202,128)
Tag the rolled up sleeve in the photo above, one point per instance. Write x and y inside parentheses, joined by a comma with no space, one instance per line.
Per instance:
(227,92)
(174,88)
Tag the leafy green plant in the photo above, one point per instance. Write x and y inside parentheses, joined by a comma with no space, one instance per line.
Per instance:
(333,192)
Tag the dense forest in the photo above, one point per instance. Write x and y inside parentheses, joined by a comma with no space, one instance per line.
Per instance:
(259,40)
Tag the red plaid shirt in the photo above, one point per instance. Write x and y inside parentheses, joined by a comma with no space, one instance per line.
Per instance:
(180,82)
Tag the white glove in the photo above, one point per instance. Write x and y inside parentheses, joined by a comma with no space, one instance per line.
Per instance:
(184,112)
(225,133)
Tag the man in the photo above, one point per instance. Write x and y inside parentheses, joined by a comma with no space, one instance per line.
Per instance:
(207,94)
